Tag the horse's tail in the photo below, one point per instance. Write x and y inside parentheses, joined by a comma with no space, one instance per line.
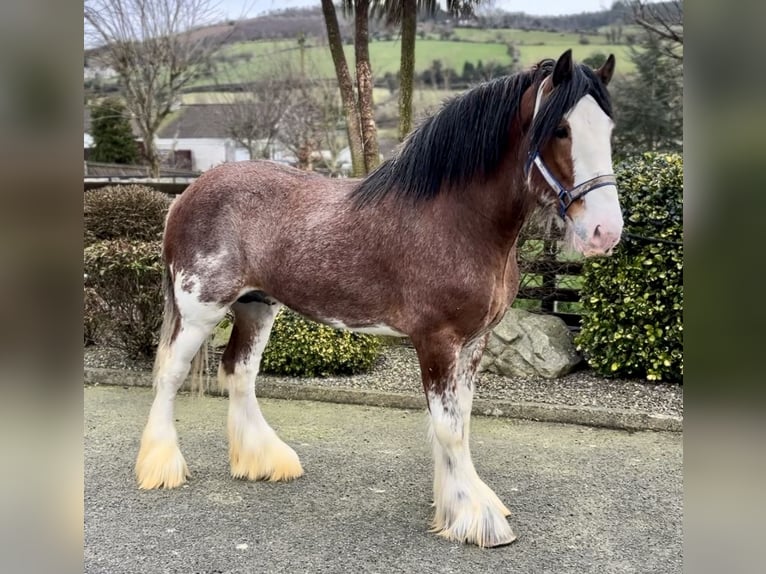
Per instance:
(171,323)
(200,380)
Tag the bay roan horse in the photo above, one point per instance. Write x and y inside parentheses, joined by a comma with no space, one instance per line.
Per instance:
(424,247)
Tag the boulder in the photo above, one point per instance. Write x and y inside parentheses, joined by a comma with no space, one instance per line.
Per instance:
(530,345)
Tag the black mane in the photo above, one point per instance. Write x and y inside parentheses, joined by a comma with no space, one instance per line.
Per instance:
(469,137)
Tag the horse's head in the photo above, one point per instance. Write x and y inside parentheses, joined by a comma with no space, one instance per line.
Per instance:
(570,154)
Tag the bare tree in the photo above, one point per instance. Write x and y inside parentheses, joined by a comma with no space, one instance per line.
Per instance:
(330,117)
(253,115)
(309,126)
(664,20)
(156,47)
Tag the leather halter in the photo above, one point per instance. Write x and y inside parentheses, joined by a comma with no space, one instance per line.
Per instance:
(566,196)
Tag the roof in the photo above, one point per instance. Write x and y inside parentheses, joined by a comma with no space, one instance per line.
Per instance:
(196,121)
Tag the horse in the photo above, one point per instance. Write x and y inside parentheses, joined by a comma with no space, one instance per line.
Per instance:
(424,247)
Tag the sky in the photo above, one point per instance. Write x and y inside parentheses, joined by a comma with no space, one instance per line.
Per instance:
(234,8)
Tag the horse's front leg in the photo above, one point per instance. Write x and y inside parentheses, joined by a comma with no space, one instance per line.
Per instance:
(466,509)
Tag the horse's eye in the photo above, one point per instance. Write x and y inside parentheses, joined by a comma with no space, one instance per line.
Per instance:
(561,132)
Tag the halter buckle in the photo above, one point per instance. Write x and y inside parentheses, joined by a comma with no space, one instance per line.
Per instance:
(566,196)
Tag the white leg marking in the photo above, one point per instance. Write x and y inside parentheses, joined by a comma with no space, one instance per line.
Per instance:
(255,450)
(466,509)
(160,463)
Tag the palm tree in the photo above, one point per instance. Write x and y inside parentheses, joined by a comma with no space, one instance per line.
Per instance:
(360,121)
(405,12)
(364,82)
(346,85)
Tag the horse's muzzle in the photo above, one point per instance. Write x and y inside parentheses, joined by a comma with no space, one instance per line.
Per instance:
(601,242)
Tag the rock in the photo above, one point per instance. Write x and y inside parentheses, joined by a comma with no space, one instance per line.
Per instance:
(530,345)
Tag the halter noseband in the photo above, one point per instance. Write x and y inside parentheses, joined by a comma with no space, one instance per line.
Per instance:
(566,196)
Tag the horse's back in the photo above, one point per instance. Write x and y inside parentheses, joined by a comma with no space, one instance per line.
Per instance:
(244,180)
(238,213)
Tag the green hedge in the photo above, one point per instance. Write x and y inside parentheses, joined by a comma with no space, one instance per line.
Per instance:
(632,324)
(93,316)
(124,298)
(130,211)
(303,348)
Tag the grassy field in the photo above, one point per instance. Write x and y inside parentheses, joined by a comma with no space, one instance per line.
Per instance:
(522,37)
(482,45)
(532,54)
(425,102)
(534,37)
(248,61)
(385,56)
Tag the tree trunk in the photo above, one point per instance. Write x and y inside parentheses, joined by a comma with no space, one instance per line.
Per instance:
(364,85)
(150,151)
(346,85)
(407,66)
(304,157)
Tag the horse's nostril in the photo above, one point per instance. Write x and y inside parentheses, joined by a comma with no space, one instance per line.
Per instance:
(597,232)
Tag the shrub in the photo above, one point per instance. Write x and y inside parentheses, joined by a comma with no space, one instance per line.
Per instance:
(126,278)
(112,134)
(93,316)
(633,301)
(595,60)
(304,348)
(135,212)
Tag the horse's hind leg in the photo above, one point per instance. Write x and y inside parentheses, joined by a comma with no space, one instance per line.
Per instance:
(160,463)
(255,450)
(466,509)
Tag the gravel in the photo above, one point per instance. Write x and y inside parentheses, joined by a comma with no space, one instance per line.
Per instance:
(397,371)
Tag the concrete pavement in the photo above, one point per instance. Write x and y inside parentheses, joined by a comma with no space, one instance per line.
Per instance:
(583,499)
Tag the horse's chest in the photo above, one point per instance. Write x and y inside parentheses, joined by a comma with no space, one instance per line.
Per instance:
(503,293)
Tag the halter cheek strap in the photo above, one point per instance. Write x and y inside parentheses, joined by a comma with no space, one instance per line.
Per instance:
(566,196)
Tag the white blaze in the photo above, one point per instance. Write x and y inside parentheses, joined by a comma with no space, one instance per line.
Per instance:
(591,129)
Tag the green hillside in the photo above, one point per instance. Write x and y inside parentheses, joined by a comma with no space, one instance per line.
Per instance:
(247,61)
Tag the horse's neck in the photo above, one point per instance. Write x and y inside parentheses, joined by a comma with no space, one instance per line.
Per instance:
(498,209)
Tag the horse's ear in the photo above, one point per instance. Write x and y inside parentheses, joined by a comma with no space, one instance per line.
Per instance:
(606,71)
(563,69)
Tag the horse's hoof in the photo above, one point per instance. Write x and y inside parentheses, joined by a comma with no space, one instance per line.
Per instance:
(473,518)
(271,460)
(499,536)
(160,464)
(501,544)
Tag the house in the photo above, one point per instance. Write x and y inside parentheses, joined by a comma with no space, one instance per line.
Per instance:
(172,157)
(199,128)
(195,138)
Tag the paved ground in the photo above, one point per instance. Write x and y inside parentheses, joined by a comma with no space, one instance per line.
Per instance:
(584,500)
(582,396)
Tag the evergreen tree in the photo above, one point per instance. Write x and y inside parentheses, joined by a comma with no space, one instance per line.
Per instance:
(112,134)
(649,103)
(595,60)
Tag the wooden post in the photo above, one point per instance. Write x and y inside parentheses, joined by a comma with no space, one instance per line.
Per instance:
(550,249)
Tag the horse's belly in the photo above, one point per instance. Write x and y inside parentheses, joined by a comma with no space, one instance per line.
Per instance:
(373,329)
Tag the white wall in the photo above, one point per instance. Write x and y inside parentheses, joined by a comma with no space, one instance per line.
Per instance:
(206,152)
(210,152)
